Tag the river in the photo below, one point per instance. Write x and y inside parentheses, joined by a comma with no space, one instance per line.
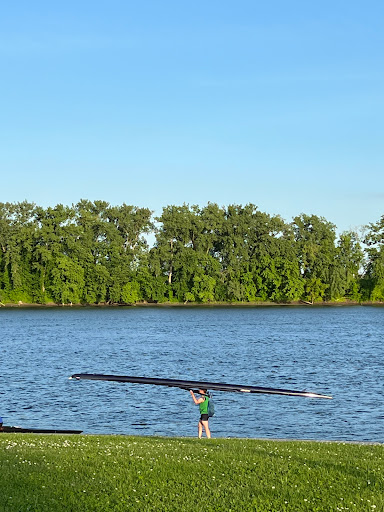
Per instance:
(329,350)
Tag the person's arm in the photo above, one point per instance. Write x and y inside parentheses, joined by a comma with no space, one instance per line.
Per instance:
(197,401)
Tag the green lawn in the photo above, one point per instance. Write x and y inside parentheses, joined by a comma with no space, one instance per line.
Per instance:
(49,473)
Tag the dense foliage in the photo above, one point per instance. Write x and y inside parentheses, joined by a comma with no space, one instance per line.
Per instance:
(93,252)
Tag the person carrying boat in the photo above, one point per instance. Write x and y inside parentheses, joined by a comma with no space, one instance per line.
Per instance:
(203,405)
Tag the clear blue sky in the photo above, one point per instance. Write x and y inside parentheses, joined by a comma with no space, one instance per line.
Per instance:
(154,103)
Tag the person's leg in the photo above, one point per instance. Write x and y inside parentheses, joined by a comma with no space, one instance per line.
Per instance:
(199,429)
(206,428)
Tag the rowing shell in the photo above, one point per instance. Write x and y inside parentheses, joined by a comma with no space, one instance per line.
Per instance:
(193,384)
(21,430)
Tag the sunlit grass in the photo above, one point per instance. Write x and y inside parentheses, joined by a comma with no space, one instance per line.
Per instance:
(116,473)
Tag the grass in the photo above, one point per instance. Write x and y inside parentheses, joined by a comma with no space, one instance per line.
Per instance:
(49,473)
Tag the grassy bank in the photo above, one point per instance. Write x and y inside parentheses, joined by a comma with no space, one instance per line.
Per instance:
(49,473)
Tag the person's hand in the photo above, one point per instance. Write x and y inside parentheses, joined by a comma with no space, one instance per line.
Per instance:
(191,391)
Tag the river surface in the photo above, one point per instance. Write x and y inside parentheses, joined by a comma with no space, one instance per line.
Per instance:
(336,351)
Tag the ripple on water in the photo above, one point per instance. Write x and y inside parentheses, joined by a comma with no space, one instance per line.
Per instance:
(334,351)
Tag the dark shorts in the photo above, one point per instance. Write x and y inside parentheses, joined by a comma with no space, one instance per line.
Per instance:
(204,417)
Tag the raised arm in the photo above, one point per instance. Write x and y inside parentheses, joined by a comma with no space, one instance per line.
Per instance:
(196,400)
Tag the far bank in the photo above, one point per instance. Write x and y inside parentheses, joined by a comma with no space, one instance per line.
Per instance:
(192,304)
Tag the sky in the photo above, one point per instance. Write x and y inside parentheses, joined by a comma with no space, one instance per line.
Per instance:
(156,103)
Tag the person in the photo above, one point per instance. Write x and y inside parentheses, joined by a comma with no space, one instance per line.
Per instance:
(1,423)
(203,404)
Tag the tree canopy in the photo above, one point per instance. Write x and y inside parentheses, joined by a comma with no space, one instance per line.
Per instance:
(94,252)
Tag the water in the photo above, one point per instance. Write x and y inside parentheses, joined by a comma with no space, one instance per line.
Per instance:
(330,350)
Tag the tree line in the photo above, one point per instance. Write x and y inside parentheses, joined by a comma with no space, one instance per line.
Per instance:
(93,252)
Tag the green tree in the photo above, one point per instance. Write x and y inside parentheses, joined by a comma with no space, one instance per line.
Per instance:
(257,256)
(54,246)
(174,237)
(234,247)
(92,249)
(131,293)
(17,227)
(125,246)
(345,272)
(315,238)
(374,268)
(185,251)
(67,281)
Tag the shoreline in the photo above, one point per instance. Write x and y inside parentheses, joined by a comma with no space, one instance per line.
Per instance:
(218,438)
(192,304)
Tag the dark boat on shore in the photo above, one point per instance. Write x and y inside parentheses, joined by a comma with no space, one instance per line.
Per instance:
(21,430)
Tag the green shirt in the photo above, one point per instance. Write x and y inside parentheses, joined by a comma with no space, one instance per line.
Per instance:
(204,406)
